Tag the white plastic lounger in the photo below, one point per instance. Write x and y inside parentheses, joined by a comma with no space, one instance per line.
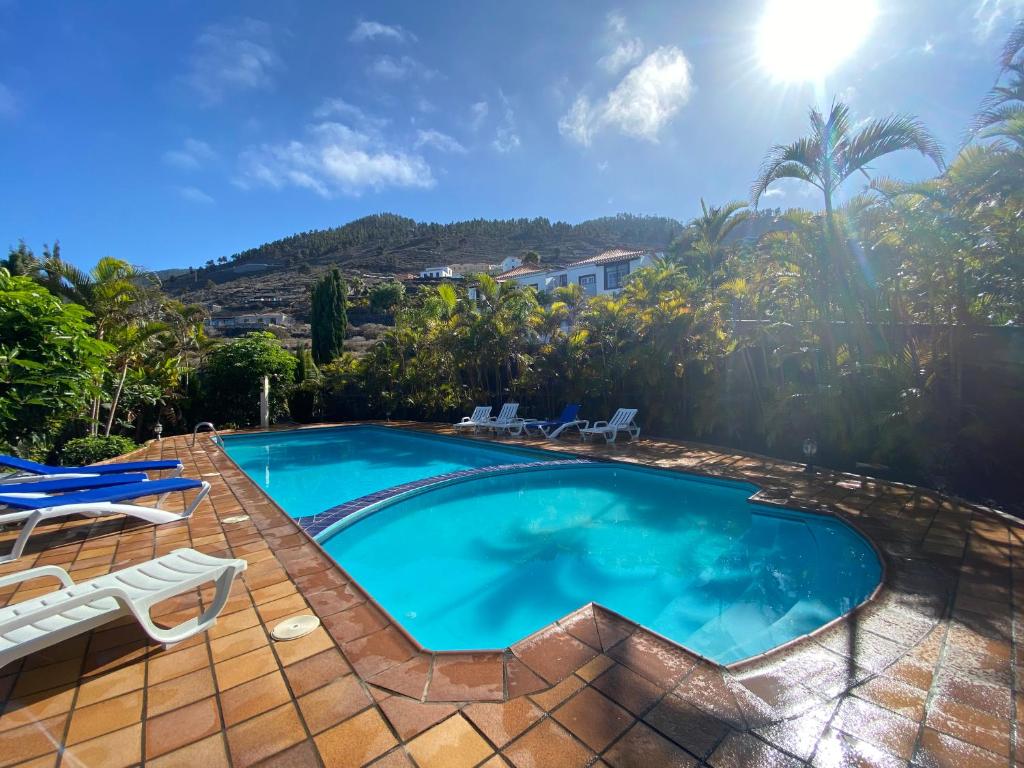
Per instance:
(480,418)
(622,421)
(34,508)
(75,608)
(506,419)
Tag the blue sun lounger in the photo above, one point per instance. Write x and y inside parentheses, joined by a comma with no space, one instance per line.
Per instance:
(26,471)
(96,502)
(552,428)
(72,483)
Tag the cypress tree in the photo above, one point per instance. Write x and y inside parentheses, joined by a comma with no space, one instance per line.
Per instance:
(328,321)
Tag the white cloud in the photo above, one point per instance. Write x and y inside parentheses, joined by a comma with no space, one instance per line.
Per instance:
(228,58)
(350,113)
(192,155)
(195,195)
(399,68)
(623,54)
(371,30)
(505,138)
(624,49)
(615,22)
(645,100)
(991,16)
(8,102)
(478,114)
(774,192)
(333,158)
(439,141)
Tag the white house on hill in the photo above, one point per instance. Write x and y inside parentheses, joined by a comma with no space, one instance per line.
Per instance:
(437,272)
(509,263)
(604,273)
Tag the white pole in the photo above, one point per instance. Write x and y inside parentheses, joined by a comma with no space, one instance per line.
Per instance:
(265,403)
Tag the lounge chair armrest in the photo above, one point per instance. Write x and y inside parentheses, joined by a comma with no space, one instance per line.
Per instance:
(59,607)
(599,424)
(38,573)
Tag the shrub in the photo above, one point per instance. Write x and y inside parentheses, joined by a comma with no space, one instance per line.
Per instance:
(233,375)
(50,364)
(89,450)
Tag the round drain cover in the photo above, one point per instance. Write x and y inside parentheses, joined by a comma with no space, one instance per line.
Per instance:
(235,519)
(295,627)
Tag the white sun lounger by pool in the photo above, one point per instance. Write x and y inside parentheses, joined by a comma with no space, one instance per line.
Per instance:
(480,418)
(622,421)
(506,419)
(43,621)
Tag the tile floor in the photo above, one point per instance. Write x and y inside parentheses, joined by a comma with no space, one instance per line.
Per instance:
(928,674)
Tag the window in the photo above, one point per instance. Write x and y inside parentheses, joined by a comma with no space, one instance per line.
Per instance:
(562,281)
(589,284)
(615,275)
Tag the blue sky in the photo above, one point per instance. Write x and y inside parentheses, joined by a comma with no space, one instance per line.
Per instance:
(169,133)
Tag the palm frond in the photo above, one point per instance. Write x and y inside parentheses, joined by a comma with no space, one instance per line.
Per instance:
(786,161)
(889,134)
(1013,46)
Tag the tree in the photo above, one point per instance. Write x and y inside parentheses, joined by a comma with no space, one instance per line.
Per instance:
(234,373)
(532,258)
(384,297)
(21,261)
(50,363)
(711,229)
(835,150)
(329,318)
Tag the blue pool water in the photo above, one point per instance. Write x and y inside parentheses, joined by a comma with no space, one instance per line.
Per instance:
(307,471)
(483,563)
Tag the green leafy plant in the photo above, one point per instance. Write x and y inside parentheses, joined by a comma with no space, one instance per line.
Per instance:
(50,363)
(234,373)
(89,450)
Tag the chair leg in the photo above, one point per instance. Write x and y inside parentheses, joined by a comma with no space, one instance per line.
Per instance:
(191,627)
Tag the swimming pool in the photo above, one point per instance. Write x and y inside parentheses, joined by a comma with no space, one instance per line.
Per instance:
(485,562)
(307,471)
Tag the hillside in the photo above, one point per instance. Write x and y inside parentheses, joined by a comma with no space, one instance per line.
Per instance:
(279,274)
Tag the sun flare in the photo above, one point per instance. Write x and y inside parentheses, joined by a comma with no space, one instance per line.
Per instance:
(805,40)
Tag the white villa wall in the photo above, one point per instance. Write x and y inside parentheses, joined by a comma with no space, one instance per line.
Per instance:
(548,280)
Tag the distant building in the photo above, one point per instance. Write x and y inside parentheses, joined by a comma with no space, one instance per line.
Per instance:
(510,262)
(436,272)
(254,320)
(603,273)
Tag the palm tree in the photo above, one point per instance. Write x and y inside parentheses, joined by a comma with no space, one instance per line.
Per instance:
(118,295)
(835,150)
(711,229)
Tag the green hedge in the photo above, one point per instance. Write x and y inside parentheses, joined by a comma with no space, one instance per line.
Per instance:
(89,450)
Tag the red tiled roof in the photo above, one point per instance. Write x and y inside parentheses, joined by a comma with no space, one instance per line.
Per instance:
(610,257)
(518,272)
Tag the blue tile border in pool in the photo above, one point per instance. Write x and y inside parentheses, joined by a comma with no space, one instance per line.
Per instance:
(316,524)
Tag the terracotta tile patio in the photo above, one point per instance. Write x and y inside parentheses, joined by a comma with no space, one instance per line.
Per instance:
(927,674)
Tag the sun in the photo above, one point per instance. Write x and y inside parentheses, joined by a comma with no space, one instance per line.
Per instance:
(805,40)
